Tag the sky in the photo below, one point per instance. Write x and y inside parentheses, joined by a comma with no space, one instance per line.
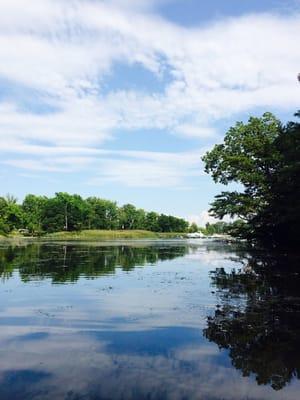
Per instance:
(120,98)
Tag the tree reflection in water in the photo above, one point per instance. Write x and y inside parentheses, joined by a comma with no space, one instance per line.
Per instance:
(258,318)
(68,262)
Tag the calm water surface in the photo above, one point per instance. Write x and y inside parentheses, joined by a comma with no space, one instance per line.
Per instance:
(148,320)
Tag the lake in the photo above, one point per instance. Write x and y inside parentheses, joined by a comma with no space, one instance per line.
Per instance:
(148,320)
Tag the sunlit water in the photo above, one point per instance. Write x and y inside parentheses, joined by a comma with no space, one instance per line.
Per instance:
(147,320)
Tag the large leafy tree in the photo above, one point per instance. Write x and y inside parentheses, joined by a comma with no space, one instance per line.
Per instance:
(151,221)
(247,156)
(281,219)
(103,214)
(262,156)
(131,218)
(11,215)
(3,223)
(65,212)
(168,223)
(33,208)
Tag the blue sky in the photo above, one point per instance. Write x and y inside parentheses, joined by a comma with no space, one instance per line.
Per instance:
(119,99)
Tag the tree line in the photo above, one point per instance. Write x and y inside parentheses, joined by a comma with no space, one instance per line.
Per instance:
(70,212)
(263,157)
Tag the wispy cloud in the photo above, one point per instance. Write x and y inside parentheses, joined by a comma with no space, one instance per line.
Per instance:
(149,169)
(65,52)
(203,218)
(129,168)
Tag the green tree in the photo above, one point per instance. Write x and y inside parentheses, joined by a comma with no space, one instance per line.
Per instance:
(193,228)
(247,156)
(140,222)
(10,199)
(219,227)
(262,156)
(128,217)
(280,221)
(11,215)
(168,223)
(103,214)
(4,228)
(14,216)
(39,214)
(65,212)
(151,221)
(33,208)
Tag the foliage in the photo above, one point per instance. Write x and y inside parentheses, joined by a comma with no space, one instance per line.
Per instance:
(131,217)
(11,215)
(103,214)
(71,213)
(168,223)
(33,207)
(279,222)
(263,156)
(193,228)
(151,221)
(219,227)
(65,212)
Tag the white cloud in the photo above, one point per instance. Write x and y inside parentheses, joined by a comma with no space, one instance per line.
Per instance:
(129,168)
(80,123)
(204,217)
(64,164)
(65,52)
(149,169)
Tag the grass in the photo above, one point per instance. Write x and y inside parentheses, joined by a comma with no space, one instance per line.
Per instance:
(91,235)
(109,235)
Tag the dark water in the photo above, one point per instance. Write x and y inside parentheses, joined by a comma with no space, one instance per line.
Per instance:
(148,320)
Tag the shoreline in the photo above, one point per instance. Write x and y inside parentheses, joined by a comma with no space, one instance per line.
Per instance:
(95,235)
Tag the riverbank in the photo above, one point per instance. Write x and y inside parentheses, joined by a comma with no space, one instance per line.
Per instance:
(97,235)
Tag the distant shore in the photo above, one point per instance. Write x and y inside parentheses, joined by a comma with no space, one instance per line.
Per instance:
(94,235)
